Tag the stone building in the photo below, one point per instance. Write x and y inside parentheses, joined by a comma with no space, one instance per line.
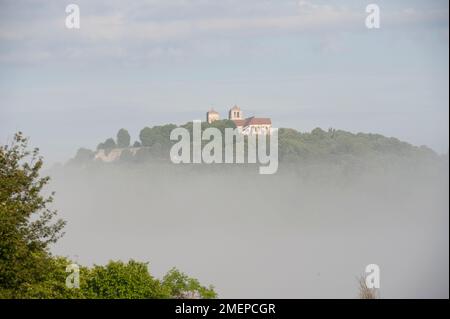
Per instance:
(254,125)
(212,116)
(251,125)
(235,113)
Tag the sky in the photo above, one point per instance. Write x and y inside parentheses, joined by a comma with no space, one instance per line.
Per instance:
(305,64)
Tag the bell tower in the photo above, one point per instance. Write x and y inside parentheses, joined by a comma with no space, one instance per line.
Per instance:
(235,113)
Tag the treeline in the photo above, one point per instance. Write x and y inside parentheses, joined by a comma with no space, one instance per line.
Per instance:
(28,228)
(154,143)
(337,144)
(316,146)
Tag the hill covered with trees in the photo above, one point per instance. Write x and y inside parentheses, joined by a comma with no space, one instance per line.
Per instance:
(295,147)
(336,195)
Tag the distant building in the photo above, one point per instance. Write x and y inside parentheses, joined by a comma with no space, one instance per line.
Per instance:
(212,116)
(235,113)
(254,125)
(251,125)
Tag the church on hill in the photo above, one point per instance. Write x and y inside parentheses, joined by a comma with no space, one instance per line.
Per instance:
(249,126)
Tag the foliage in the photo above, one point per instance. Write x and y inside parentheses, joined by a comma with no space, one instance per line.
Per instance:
(83,155)
(26,222)
(182,287)
(150,136)
(123,280)
(132,280)
(341,146)
(337,146)
(52,283)
(123,138)
(108,144)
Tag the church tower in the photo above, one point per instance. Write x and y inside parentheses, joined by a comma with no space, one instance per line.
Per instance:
(235,113)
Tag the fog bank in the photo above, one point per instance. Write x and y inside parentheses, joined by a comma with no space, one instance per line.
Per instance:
(305,232)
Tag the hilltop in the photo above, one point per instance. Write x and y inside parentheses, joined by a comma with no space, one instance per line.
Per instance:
(330,146)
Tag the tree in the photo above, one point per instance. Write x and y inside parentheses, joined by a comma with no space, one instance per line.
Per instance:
(109,144)
(115,280)
(26,223)
(83,155)
(52,283)
(123,138)
(123,280)
(180,286)
(157,134)
(220,124)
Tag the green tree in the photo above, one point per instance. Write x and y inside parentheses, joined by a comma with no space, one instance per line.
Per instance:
(123,280)
(27,225)
(52,283)
(180,286)
(123,138)
(109,144)
(157,134)
(83,155)
(220,124)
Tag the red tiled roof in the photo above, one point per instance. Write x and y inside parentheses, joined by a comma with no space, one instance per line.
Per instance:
(239,122)
(253,121)
(258,121)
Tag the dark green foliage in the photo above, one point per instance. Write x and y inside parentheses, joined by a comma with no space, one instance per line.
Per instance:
(115,280)
(335,146)
(83,155)
(180,286)
(132,280)
(150,136)
(123,280)
(123,138)
(107,145)
(51,283)
(26,222)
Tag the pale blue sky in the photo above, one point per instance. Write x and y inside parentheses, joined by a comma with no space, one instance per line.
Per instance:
(306,64)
